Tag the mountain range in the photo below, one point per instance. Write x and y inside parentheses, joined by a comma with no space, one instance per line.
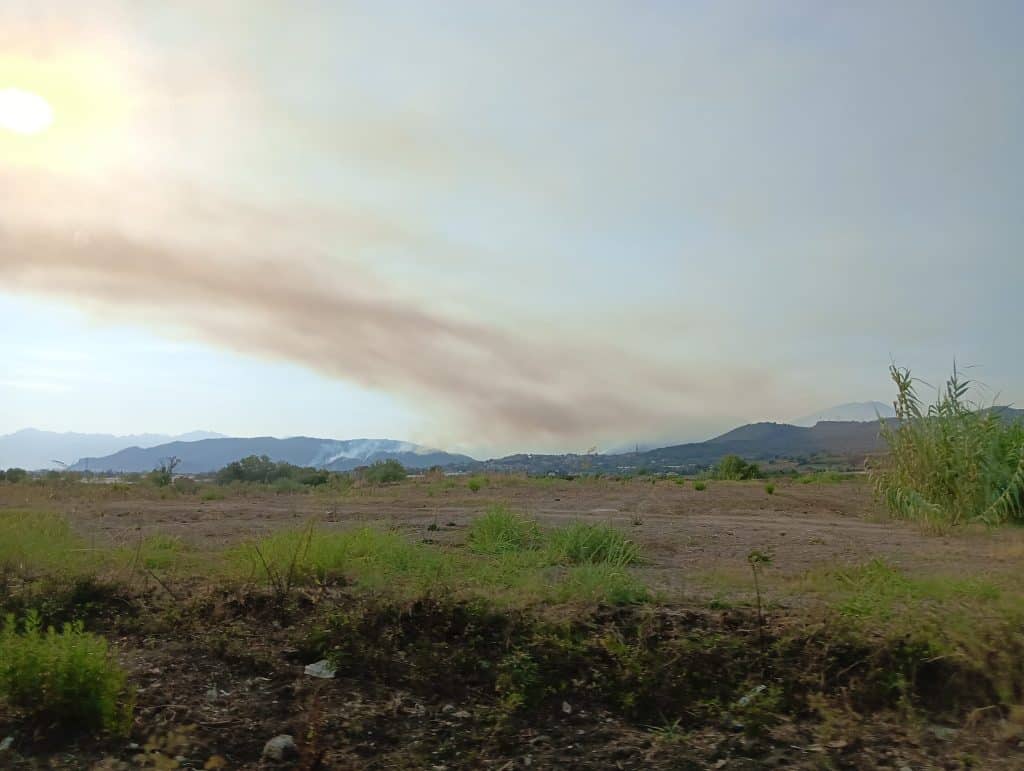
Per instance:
(211,454)
(34,449)
(845,442)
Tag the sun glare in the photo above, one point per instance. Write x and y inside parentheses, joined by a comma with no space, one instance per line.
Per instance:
(24,112)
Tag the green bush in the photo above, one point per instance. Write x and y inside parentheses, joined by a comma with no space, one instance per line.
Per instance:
(384,471)
(951,463)
(186,485)
(476,483)
(769,488)
(500,530)
(735,468)
(16,475)
(65,679)
(586,544)
(700,485)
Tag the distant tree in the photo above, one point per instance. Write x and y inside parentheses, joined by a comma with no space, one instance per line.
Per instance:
(262,470)
(16,474)
(384,471)
(734,467)
(170,464)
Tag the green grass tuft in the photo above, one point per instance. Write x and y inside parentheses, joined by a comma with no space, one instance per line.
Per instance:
(32,542)
(500,531)
(582,544)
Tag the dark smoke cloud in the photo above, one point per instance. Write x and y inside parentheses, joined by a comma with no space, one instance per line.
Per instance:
(340,323)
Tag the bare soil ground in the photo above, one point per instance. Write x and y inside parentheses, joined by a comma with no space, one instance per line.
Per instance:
(686,534)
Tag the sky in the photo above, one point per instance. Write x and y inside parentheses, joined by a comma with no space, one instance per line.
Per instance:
(503,226)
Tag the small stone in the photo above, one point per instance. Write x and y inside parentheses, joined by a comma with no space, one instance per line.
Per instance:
(942,733)
(321,669)
(6,743)
(566,708)
(280,748)
(463,714)
(448,708)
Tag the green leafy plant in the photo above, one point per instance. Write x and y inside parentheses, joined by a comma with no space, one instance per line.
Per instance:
(65,678)
(700,484)
(735,468)
(384,472)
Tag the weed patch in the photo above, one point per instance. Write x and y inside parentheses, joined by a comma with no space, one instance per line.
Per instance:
(500,531)
(582,544)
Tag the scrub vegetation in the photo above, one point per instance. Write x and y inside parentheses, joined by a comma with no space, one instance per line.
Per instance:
(585,622)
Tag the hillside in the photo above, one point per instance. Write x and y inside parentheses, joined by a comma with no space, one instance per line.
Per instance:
(211,454)
(849,440)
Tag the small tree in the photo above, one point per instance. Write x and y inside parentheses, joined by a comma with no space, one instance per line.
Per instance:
(384,471)
(734,467)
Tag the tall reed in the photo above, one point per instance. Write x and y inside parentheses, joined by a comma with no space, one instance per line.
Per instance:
(952,462)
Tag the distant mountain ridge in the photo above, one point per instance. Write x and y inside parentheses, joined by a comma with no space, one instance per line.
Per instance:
(851,440)
(847,440)
(853,411)
(212,454)
(33,449)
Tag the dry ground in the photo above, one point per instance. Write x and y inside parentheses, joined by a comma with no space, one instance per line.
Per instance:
(691,538)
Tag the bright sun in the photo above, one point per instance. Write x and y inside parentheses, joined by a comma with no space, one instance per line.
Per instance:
(24,112)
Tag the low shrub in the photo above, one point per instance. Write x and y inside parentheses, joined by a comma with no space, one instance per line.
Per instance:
(63,678)
(700,484)
(733,467)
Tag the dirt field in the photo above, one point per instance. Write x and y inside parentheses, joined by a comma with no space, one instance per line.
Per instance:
(219,669)
(687,535)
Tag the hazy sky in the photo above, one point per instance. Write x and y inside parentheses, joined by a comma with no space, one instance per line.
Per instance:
(502,226)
